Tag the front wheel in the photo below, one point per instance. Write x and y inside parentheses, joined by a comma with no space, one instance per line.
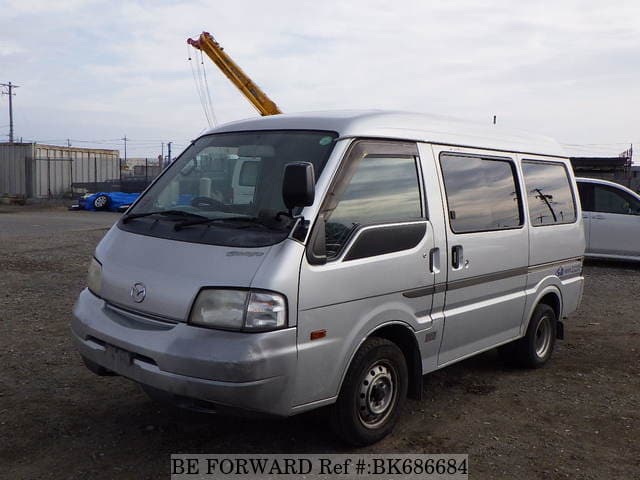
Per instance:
(372,394)
(101,202)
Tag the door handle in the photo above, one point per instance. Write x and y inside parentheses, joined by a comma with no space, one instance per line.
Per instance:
(434,260)
(597,217)
(456,256)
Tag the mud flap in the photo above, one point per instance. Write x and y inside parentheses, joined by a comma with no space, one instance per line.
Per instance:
(415,386)
(560,330)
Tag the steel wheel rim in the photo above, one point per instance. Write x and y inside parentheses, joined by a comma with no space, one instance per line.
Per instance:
(378,394)
(100,201)
(543,337)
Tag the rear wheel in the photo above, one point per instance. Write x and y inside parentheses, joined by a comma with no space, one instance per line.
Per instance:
(372,394)
(535,348)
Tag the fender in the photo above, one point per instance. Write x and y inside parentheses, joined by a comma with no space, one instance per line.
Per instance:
(547,285)
(415,368)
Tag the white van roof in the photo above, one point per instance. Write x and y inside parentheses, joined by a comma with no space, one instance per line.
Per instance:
(405,126)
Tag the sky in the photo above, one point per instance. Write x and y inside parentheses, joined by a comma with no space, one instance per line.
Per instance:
(94,71)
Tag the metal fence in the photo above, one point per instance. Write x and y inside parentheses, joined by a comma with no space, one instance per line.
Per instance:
(59,176)
(35,170)
(53,176)
(134,181)
(14,168)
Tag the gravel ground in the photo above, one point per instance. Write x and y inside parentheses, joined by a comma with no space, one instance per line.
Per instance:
(576,418)
(41,223)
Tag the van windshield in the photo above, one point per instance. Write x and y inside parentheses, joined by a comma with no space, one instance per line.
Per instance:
(226,189)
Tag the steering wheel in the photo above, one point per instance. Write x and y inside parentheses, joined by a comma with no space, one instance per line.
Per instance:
(208,203)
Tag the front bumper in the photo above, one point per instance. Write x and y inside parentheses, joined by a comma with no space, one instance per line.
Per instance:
(251,371)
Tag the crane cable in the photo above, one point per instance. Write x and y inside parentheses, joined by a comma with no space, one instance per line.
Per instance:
(201,88)
(206,84)
(198,87)
(204,88)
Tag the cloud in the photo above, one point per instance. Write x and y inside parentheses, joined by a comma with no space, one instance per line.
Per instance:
(564,69)
(41,7)
(9,48)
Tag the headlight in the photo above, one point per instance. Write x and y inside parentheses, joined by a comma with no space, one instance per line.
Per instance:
(220,308)
(239,310)
(94,276)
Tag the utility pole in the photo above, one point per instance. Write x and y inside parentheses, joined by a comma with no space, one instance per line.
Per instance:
(162,152)
(10,86)
(630,164)
(125,148)
(169,153)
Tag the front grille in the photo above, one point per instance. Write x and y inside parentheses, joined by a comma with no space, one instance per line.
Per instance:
(152,320)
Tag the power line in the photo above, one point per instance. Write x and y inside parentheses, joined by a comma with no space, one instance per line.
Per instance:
(595,144)
(600,150)
(140,148)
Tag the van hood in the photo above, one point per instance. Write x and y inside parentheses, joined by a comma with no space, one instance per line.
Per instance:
(170,272)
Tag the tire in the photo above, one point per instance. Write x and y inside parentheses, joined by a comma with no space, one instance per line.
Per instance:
(372,394)
(536,347)
(101,202)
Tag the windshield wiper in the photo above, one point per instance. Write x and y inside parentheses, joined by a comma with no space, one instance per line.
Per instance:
(180,213)
(188,223)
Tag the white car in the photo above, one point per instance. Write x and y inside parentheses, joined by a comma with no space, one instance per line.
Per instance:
(245,175)
(611,215)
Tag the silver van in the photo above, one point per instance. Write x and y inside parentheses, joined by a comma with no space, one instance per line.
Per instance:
(376,247)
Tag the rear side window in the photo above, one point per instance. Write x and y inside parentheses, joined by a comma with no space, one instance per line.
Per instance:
(549,193)
(482,193)
(585,190)
(383,189)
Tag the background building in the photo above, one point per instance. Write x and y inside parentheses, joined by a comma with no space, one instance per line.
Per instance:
(34,170)
(615,169)
(140,167)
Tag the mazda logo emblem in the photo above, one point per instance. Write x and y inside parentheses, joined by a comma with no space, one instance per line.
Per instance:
(138,292)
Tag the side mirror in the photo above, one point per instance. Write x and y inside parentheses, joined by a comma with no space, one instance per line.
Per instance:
(298,185)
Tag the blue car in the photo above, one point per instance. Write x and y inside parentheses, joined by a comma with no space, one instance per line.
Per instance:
(112,201)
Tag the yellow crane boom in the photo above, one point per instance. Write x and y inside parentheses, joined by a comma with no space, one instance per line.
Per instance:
(241,80)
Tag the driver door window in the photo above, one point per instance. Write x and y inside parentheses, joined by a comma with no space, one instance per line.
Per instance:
(612,200)
(383,189)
